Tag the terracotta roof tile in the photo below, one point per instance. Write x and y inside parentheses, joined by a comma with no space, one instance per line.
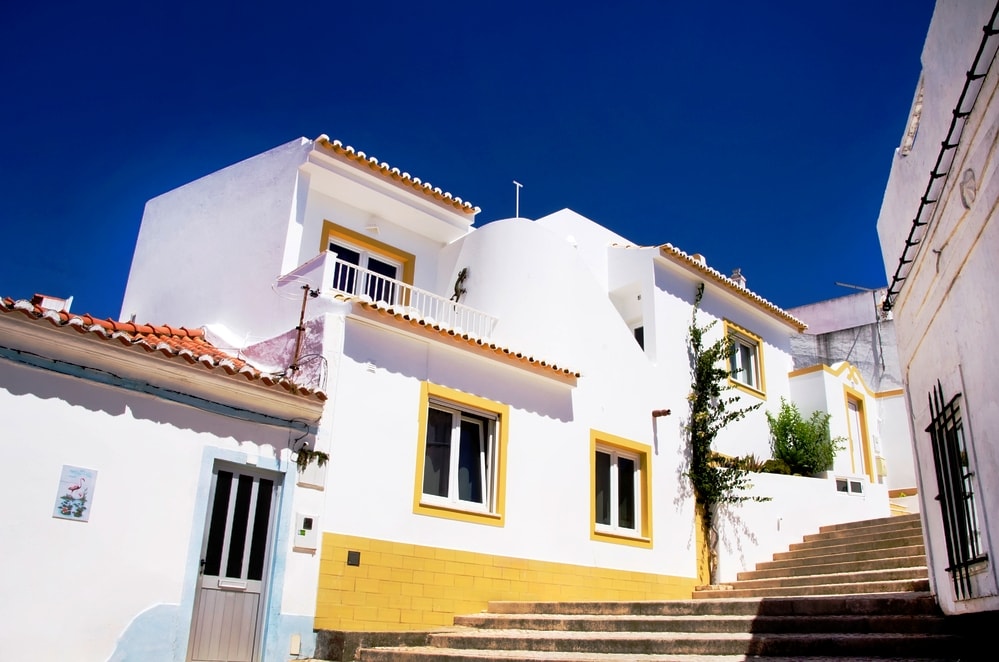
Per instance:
(362,160)
(406,316)
(689,261)
(177,343)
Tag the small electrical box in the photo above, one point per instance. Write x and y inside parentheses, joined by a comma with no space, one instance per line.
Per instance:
(306,532)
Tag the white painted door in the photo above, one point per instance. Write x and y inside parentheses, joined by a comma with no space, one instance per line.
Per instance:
(235,555)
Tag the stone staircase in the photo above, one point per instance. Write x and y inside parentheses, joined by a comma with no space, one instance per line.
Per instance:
(875,556)
(855,591)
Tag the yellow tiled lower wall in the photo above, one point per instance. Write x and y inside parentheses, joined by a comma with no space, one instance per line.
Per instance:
(398,586)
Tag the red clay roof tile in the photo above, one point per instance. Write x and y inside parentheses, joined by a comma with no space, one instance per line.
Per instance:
(173,342)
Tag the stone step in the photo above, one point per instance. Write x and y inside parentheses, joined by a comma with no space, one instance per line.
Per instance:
(898,520)
(859,542)
(917,603)
(430,654)
(872,576)
(866,555)
(866,526)
(850,566)
(886,547)
(718,643)
(921,624)
(852,588)
(887,531)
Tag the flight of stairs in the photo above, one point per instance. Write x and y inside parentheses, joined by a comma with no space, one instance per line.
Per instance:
(856,591)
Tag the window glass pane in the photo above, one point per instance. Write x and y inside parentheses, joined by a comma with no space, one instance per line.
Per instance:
(345,275)
(380,286)
(261,519)
(625,493)
(437,462)
(470,461)
(603,488)
(216,530)
(240,517)
(748,365)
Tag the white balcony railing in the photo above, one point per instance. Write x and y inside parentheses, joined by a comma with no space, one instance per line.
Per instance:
(377,288)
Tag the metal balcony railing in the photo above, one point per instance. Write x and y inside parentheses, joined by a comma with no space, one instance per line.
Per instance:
(378,288)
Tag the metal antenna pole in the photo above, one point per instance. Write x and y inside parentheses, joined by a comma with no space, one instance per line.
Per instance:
(517,207)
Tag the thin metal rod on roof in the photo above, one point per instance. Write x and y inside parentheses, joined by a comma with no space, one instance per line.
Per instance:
(516,213)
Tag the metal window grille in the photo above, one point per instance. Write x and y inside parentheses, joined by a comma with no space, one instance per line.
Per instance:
(955,490)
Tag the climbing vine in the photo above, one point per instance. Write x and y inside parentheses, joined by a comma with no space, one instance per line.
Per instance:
(714,481)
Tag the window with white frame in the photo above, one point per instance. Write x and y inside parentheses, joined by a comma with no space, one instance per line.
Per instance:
(462,443)
(620,490)
(617,479)
(745,361)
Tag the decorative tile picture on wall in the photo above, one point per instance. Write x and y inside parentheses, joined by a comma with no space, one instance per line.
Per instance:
(75,493)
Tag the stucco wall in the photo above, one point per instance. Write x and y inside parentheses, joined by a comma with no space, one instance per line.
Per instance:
(209,251)
(142,542)
(943,314)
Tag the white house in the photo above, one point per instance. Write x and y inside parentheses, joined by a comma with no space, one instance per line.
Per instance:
(502,407)
(940,246)
(121,440)
(852,340)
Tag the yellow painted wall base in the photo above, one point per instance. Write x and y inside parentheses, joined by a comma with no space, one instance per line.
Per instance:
(399,586)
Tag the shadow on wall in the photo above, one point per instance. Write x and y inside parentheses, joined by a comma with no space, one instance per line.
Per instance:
(117,402)
(478,375)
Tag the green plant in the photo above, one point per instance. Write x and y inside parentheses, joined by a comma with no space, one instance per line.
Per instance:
(304,457)
(806,445)
(750,463)
(773,466)
(714,481)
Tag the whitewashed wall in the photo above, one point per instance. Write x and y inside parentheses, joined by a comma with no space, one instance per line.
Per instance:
(750,532)
(209,251)
(944,314)
(142,542)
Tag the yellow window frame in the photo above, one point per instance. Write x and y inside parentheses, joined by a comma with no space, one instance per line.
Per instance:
(746,337)
(603,440)
(462,401)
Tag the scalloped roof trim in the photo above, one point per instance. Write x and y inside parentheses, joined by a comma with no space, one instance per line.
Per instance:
(406,315)
(362,160)
(671,251)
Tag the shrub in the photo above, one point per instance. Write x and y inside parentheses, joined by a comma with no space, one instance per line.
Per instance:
(804,444)
(776,467)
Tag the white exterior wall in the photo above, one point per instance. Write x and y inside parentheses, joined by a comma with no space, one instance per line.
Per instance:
(675,289)
(209,251)
(750,532)
(944,315)
(143,540)
(552,307)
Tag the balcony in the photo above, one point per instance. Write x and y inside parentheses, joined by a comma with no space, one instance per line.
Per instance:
(333,276)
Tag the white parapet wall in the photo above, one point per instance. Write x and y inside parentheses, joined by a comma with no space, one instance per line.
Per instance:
(751,532)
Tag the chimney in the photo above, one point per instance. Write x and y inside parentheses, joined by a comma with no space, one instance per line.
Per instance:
(697,257)
(47,302)
(739,279)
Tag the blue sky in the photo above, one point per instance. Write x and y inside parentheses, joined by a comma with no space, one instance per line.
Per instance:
(759,134)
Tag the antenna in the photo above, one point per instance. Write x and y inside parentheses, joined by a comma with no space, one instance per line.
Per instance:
(517,208)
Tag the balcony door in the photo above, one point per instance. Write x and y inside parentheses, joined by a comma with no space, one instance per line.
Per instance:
(361,272)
